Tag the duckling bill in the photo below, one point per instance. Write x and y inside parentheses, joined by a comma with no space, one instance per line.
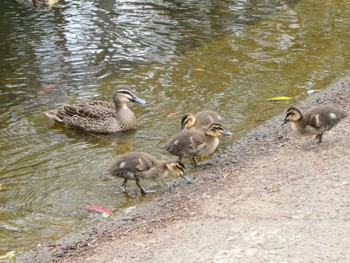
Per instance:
(140,165)
(314,121)
(100,116)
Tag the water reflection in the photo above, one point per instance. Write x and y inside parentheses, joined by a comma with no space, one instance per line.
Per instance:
(190,55)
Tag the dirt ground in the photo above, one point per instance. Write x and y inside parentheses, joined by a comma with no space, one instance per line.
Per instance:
(269,197)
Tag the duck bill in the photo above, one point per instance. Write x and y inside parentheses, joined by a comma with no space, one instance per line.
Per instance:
(284,122)
(187,178)
(139,101)
(227,133)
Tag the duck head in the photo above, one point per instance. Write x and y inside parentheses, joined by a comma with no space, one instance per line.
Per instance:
(293,114)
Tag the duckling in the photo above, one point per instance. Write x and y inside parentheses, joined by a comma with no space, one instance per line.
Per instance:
(100,116)
(141,165)
(195,143)
(202,120)
(316,120)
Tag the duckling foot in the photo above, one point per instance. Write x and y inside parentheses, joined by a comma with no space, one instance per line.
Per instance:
(124,186)
(319,138)
(315,143)
(143,190)
(312,145)
(195,163)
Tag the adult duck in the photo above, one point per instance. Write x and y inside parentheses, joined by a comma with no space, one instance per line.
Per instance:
(100,116)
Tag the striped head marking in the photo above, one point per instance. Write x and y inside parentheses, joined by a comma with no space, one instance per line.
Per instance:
(177,168)
(293,114)
(180,166)
(123,92)
(215,130)
(187,121)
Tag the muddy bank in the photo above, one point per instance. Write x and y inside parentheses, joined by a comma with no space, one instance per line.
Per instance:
(267,197)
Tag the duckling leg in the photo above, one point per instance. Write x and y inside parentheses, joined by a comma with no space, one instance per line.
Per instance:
(143,191)
(195,163)
(124,184)
(319,138)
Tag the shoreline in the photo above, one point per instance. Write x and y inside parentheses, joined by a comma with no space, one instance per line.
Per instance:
(222,189)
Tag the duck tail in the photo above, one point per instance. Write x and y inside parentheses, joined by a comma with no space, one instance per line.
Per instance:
(53,115)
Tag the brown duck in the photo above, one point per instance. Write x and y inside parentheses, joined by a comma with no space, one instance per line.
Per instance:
(100,116)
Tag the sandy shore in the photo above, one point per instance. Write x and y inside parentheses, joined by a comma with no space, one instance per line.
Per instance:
(266,198)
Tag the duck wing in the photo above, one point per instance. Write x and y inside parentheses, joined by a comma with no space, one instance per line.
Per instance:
(93,110)
(94,116)
(131,165)
(322,119)
(186,144)
(145,162)
(100,103)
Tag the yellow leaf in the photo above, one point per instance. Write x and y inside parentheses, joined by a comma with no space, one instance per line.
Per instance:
(280,98)
(10,255)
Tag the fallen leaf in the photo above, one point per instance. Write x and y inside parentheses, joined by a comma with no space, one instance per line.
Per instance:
(10,255)
(45,89)
(280,98)
(98,209)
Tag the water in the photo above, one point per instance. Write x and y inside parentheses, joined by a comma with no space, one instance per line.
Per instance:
(178,55)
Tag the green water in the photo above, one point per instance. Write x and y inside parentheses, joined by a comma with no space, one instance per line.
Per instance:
(223,55)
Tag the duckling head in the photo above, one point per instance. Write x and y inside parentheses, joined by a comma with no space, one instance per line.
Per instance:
(215,130)
(178,168)
(293,114)
(187,121)
(124,94)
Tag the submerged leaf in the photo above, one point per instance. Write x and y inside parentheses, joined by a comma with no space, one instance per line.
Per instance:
(174,114)
(280,98)
(45,89)
(99,209)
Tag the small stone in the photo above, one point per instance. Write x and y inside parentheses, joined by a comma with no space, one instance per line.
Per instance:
(129,209)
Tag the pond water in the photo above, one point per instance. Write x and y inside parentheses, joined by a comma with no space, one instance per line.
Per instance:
(187,55)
